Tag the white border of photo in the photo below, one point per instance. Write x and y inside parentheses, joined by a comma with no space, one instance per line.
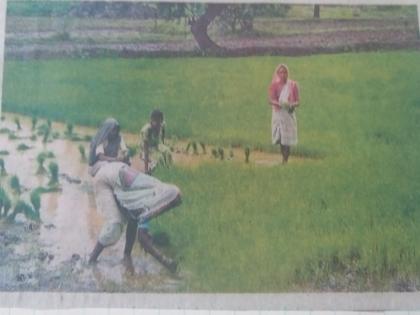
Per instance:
(34,303)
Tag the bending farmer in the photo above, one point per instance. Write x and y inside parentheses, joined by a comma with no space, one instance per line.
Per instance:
(121,190)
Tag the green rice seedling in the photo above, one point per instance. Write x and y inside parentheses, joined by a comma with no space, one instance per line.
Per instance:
(203,147)
(55,135)
(15,184)
(34,122)
(231,153)
(3,118)
(46,135)
(17,122)
(4,130)
(41,129)
(2,168)
(13,136)
(165,159)
(36,201)
(82,153)
(221,152)
(5,203)
(23,147)
(187,149)
(87,138)
(49,123)
(4,152)
(26,209)
(41,159)
(33,137)
(49,154)
(76,137)
(69,129)
(195,148)
(53,168)
(247,151)
(214,153)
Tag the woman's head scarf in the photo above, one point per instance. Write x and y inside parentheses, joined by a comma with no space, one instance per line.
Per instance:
(112,146)
(276,78)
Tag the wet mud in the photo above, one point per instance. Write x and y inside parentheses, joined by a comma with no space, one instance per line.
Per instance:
(51,255)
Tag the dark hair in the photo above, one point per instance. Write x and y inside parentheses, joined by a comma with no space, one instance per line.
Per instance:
(156,115)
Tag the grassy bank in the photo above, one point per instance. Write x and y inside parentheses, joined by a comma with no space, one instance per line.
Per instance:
(346,221)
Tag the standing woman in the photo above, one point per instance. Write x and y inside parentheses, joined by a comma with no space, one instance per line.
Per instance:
(284,98)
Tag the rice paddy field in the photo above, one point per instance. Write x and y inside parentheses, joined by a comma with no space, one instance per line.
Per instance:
(343,215)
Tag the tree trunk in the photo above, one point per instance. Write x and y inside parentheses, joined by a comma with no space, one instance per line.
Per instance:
(199,27)
(316,11)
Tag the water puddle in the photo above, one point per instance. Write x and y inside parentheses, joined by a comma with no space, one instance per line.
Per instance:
(70,224)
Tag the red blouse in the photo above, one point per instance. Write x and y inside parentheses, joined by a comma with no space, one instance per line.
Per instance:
(275,90)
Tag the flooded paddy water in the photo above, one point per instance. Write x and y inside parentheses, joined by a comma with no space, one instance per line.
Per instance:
(52,254)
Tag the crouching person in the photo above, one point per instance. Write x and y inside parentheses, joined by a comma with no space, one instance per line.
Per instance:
(125,195)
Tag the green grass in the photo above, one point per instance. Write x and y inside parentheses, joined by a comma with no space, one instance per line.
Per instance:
(351,210)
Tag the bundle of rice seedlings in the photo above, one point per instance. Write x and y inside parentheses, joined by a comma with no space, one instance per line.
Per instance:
(69,129)
(221,152)
(17,122)
(36,201)
(2,168)
(15,184)
(41,159)
(231,153)
(132,150)
(203,147)
(247,151)
(22,147)
(34,122)
(53,168)
(26,209)
(13,136)
(83,153)
(5,203)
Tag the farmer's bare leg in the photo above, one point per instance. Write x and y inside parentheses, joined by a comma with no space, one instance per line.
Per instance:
(130,236)
(96,252)
(106,204)
(168,197)
(285,152)
(146,242)
(110,234)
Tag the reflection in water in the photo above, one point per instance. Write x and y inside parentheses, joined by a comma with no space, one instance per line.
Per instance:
(70,222)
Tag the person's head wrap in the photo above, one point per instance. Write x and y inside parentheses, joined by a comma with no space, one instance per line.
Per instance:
(276,78)
(112,146)
(156,115)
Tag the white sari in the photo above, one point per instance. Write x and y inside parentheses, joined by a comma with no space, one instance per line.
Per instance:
(283,123)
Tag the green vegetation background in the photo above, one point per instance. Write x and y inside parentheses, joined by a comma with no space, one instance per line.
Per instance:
(350,210)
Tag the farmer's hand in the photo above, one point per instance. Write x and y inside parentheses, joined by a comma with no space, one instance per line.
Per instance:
(284,104)
(291,109)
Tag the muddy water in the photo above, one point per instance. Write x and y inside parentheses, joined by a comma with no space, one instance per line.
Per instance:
(59,247)
(53,255)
